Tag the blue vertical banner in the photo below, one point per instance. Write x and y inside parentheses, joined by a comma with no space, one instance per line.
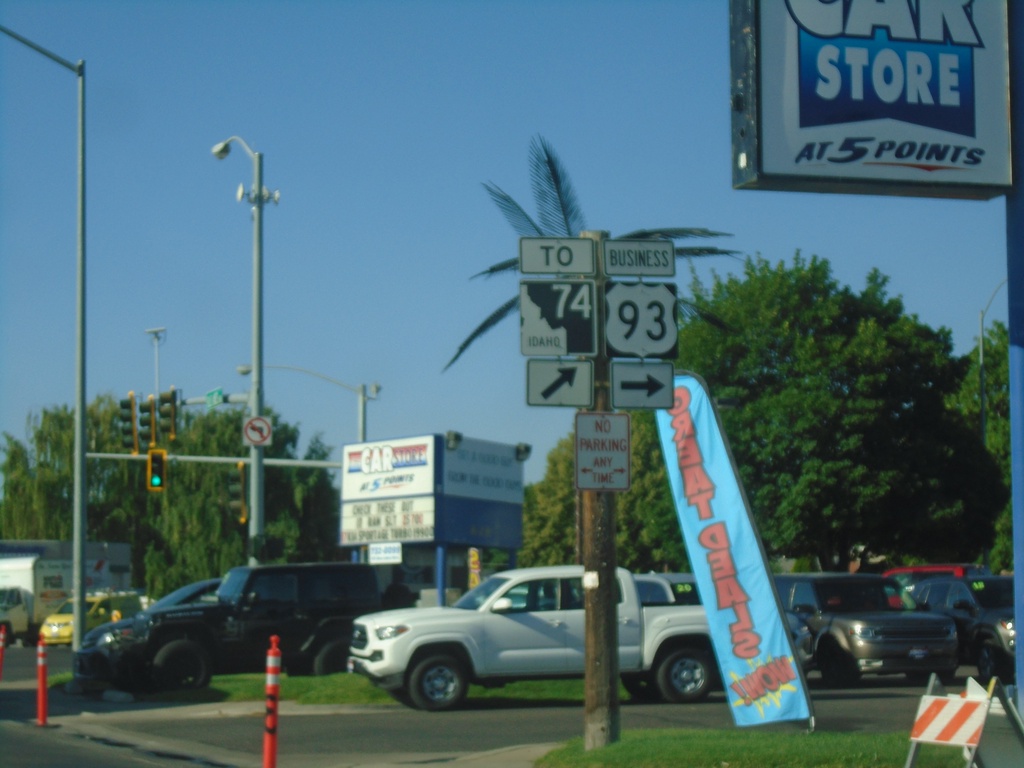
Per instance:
(760,672)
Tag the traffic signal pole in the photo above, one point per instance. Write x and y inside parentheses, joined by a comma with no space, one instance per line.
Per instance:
(601,657)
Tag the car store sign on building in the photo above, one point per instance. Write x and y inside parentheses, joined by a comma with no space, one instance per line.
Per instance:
(903,97)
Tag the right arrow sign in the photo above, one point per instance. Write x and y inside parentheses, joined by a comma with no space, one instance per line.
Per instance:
(642,385)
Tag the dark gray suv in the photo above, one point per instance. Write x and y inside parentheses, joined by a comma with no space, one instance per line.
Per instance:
(982,607)
(866,624)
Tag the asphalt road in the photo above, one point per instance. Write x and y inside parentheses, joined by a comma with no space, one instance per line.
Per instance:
(317,736)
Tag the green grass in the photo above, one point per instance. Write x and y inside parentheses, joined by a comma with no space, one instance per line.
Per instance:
(750,749)
(660,748)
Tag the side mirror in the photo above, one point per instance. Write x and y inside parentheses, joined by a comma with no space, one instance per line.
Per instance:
(502,605)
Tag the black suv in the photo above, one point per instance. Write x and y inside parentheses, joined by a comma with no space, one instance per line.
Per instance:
(867,624)
(982,607)
(310,607)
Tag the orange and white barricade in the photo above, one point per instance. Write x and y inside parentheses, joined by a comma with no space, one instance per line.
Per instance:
(976,720)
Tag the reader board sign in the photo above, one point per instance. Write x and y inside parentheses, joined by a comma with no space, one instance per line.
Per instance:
(761,674)
(907,97)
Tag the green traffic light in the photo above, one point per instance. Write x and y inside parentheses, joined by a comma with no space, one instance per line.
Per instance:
(157,481)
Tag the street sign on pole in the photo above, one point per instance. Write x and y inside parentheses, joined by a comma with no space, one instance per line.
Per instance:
(602,452)
(647,258)
(557,256)
(214,398)
(641,320)
(557,317)
(560,382)
(257,432)
(642,385)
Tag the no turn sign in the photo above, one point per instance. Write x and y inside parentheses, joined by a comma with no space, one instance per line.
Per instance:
(257,431)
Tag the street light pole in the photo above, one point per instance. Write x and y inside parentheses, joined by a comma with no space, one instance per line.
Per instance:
(257,196)
(158,334)
(361,391)
(78,494)
(981,360)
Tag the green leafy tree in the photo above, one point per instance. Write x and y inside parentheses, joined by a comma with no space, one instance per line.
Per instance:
(187,532)
(549,512)
(841,431)
(967,401)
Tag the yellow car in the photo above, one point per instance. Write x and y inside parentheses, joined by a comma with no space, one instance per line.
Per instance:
(58,627)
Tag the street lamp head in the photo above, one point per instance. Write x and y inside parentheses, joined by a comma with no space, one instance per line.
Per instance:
(220,151)
(243,370)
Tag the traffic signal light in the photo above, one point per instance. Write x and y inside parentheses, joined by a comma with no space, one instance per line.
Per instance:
(129,427)
(147,422)
(156,470)
(168,410)
(236,490)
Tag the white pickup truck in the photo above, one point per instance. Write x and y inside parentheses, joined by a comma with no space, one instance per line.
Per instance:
(529,624)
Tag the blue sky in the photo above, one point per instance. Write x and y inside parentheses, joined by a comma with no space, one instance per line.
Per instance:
(379,122)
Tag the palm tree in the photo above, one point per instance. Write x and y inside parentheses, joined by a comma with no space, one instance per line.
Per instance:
(560,216)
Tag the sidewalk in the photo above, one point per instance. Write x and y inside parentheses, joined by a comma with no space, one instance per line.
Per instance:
(126,729)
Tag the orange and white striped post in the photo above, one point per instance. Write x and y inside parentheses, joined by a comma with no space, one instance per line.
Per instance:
(273,695)
(42,703)
(3,645)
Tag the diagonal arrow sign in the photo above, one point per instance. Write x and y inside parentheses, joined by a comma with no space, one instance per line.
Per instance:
(566,377)
(652,385)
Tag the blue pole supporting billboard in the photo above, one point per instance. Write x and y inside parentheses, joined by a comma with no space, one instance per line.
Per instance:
(1015,292)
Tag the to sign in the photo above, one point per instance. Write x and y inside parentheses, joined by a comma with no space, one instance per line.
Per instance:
(602,451)
(257,431)
(641,320)
(557,256)
(557,317)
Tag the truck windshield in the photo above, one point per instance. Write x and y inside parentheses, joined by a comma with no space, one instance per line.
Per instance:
(477,596)
(230,590)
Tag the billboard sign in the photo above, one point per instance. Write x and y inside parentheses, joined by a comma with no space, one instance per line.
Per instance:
(906,97)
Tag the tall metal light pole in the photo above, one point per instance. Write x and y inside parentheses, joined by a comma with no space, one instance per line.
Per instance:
(158,334)
(981,359)
(361,391)
(79,496)
(257,196)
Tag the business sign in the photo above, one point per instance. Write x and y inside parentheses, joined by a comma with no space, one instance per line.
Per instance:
(760,672)
(387,520)
(480,469)
(384,553)
(907,97)
(642,258)
(557,317)
(388,469)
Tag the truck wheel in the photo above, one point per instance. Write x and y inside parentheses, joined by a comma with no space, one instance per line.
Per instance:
(332,658)
(992,663)
(838,668)
(182,664)
(437,683)
(684,676)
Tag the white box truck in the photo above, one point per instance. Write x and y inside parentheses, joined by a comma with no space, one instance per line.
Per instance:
(36,580)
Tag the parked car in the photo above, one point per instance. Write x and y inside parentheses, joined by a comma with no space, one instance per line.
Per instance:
(857,629)
(909,575)
(529,623)
(103,658)
(681,589)
(309,606)
(667,588)
(983,609)
(100,608)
